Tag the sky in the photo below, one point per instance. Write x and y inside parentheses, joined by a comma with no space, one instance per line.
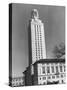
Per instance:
(53,18)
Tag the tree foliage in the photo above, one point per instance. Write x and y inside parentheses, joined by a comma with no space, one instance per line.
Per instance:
(59,50)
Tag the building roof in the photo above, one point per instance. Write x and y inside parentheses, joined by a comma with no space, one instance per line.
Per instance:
(50,61)
(47,61)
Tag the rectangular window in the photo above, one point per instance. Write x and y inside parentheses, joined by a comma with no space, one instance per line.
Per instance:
(48,70)
(57,76)
(52,68)
(61,75)
(49,77)
(57,69)
(43,69)
(60,68)
(44,78)
(64,68)
(53,77)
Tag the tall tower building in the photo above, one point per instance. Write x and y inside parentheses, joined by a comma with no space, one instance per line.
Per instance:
(41,71)
(37,49)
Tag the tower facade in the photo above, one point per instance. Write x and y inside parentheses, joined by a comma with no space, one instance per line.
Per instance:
(37,38)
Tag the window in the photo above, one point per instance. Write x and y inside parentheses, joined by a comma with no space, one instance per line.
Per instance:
(20,83)
(57,76)
(13,84)
(64,68)
(16,79)
(43,69)
(40,78)
(13,80)
(62,76)
(60,68)
(16,84)
(44,78)
(48,70)
(49,77)
(52,69)
(53,77)
(62,81)
(44,83)
(56,69)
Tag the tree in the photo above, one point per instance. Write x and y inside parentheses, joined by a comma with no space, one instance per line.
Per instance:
(59,50)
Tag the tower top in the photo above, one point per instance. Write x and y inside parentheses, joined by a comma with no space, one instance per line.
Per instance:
(34,14)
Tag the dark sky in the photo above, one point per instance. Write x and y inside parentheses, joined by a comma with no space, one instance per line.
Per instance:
(53,18)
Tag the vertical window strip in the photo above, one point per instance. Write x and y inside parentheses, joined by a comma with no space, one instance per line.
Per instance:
(38,41)
(35,42)
(41,41)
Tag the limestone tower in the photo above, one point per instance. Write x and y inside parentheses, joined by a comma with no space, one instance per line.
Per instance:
(37,49)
